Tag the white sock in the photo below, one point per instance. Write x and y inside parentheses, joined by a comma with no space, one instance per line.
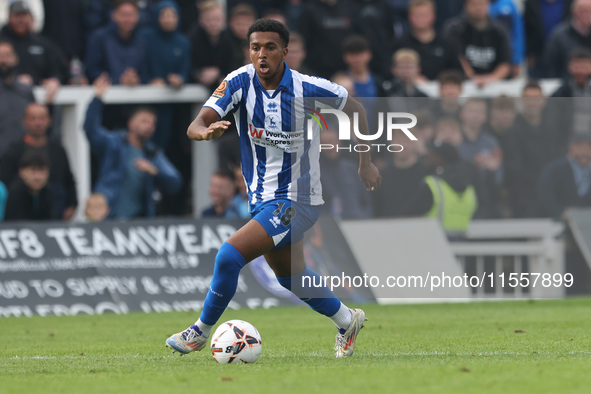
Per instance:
(205,328)
(342,319)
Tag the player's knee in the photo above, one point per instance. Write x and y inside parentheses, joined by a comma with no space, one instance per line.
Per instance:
(229,259)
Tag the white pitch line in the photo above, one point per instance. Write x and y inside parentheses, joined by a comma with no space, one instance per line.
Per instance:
(315,354)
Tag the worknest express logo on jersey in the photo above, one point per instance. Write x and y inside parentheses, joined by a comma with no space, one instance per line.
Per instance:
(349,131)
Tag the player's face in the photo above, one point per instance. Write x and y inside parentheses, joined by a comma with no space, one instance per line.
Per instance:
(267,54)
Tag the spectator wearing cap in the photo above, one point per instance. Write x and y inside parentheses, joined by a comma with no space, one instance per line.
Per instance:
(37,9)
(448,193)
(566,183)
(41,62)
(118,49)
(482,45)
(437,52)
(14,97)
(567,37)
(29,197)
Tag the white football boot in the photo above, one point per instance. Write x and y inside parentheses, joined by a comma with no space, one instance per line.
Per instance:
(345,342)
(186,341)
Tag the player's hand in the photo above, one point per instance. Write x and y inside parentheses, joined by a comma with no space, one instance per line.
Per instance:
(370,176)
(215,130)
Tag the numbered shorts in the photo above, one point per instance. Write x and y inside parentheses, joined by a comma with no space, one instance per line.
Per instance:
(285,220)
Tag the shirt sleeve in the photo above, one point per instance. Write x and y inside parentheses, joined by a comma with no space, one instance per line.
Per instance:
(227,96)
(332,94)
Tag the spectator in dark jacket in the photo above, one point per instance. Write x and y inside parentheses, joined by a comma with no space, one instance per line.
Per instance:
(118,49)
(373,19)
(532,145)
(29,197)
(566,38)
(482,45)
(574,110)
(14,97)
(131,166)
(566,183)
(61,181)
(64,25)
(41,62)
(344,195)
(169,51)
(210,37)
(241,17)
(324,25)
(540,18)
(169,62)
(437,52)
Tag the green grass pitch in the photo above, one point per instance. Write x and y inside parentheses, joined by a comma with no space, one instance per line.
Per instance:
(490,347)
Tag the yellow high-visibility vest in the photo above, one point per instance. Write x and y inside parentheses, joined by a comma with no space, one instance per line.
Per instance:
(453,210)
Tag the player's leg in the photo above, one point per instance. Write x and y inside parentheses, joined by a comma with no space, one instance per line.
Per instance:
(291,271)
(248,242)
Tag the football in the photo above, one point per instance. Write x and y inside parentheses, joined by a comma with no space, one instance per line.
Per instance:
(236,341)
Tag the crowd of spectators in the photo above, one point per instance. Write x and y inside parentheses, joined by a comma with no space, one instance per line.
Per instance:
(507,147)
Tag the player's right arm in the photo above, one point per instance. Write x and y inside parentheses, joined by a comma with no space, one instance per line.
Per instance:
(207,126)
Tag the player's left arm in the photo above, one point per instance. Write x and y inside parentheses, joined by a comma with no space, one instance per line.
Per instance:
(368,172)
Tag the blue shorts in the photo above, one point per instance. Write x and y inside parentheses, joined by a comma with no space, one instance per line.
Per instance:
(285,220)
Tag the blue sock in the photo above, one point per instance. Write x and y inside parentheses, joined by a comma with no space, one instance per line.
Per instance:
(321,299)
(228,263)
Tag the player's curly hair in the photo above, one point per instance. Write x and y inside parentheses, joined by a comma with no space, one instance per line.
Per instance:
(270,25)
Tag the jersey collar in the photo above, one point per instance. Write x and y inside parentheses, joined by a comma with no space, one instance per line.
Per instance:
(284,84)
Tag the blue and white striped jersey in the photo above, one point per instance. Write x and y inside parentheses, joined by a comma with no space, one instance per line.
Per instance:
(278,159)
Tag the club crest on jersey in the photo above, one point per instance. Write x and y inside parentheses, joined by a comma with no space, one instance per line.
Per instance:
(220,92)
(272,122)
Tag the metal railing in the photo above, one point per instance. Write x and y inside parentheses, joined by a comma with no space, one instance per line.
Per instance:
(511,255)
